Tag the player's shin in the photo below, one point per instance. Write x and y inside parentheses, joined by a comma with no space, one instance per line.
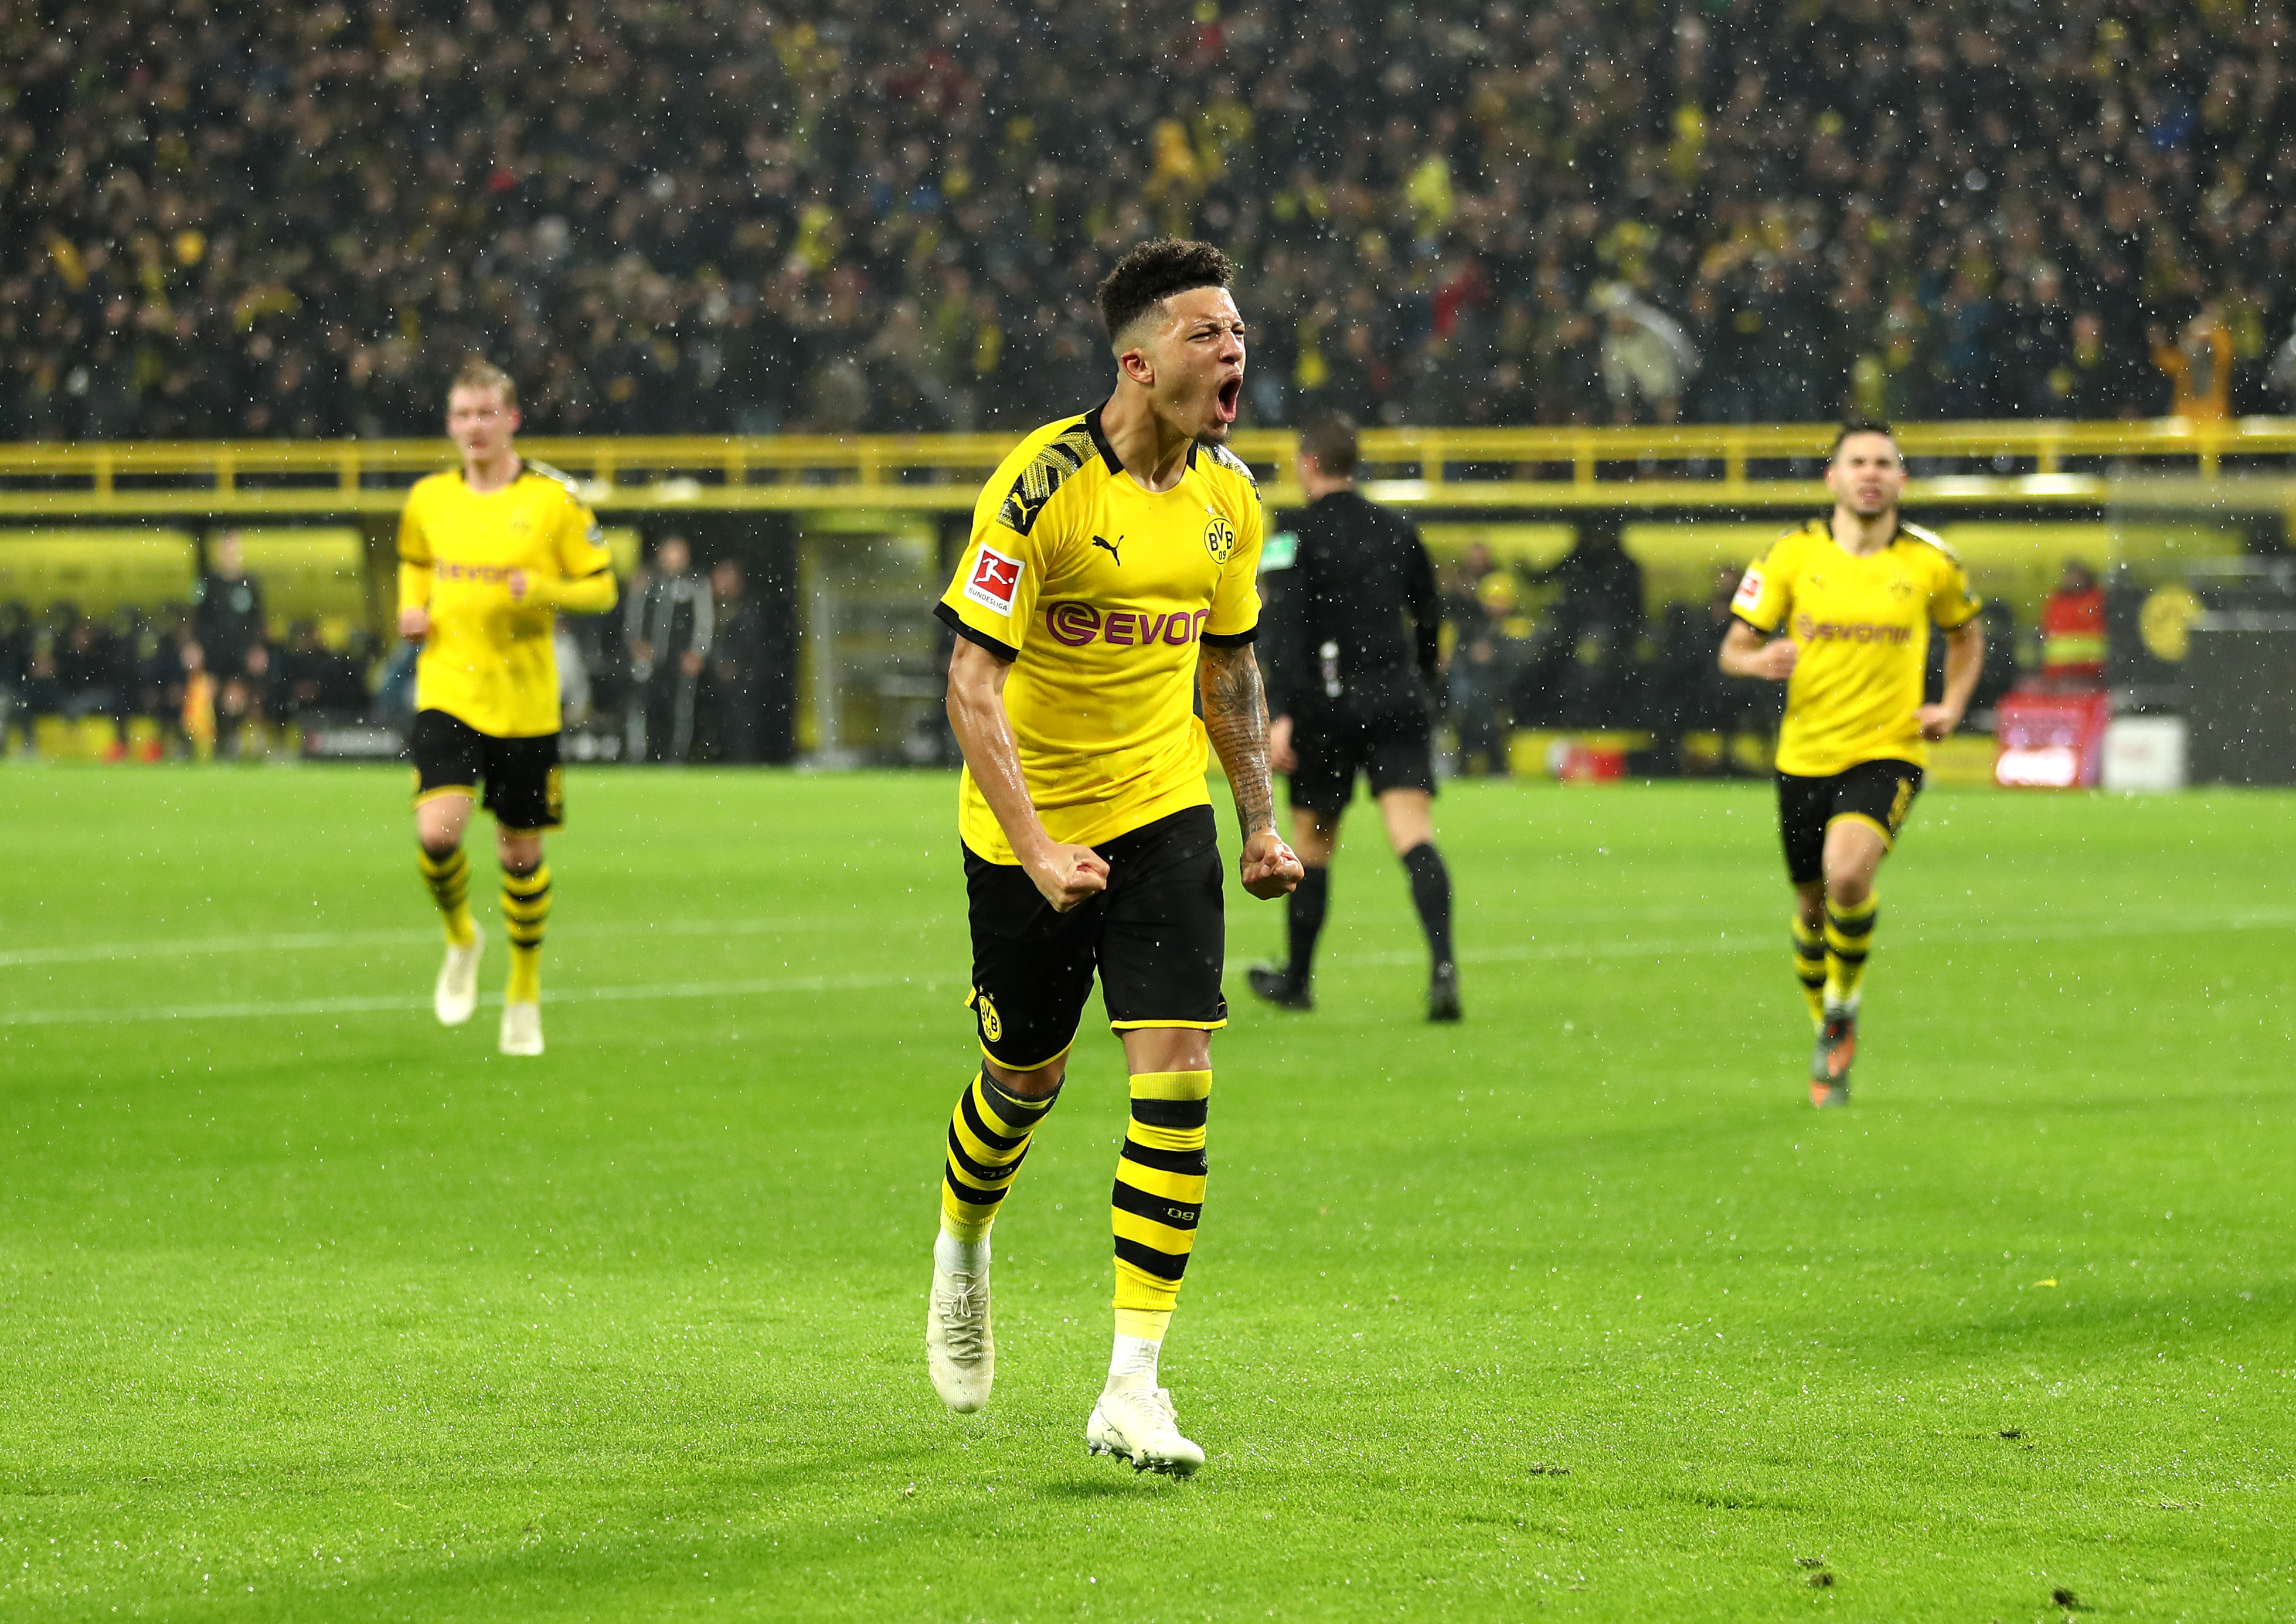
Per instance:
(525,910)
(1849,938)
(988,1134)
(1431,894)
(1304,915)
(1810,966)
(1158,1198)
(448,874)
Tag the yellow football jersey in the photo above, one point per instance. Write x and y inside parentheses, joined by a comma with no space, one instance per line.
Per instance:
(488,659)
(1862,625)
(1098,591)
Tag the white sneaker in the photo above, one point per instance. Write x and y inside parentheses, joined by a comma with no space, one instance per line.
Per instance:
(521,1029)
(1138,1424)
(960,1348)
(457,993)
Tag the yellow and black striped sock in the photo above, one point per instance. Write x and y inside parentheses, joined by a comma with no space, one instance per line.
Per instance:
(448,876)
(988,1137)
(525,910)
(1158,1196)
(1849,938)
(1810,966)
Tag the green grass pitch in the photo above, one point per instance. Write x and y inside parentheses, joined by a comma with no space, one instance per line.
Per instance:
(309,1310)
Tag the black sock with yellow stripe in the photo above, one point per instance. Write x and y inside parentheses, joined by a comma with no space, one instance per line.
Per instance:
(1810,966)
(525,910)
(1849,938)
(448,874)
(1158,1196)
(988,1134)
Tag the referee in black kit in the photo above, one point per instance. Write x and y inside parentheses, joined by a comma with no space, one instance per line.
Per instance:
(1350,689)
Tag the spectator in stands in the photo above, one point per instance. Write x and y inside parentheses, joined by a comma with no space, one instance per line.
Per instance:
(2198,367)
(1475,680)
(1592,627)
(737,660)
(706,217)
(1646,358)
(666,627)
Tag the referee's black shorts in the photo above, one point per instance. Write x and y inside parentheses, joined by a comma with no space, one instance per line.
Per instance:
(523,787)
(1392,745)
(1156,937)
(1876,792)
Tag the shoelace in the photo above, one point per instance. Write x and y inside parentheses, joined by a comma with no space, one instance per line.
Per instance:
(962,1312)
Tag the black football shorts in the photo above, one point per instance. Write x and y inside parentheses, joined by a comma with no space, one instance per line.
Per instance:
(1395,750)
(1876,792)
(1157,938)
(521,775)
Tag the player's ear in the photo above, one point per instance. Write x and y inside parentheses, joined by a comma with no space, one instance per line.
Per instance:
(1137,364)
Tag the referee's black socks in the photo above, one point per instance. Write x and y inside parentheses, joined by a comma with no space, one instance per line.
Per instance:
(1431,894)
(1309,900)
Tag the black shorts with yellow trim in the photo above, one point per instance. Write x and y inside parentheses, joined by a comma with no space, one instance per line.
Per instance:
(1878,794)
(521,775)
(1157,939)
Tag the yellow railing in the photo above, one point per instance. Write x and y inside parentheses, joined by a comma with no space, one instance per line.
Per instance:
(1703,466)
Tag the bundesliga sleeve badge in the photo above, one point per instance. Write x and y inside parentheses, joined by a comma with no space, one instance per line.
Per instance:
(1750,591)
(994,578)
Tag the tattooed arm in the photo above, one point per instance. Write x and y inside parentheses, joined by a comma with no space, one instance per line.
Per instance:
(1235,716)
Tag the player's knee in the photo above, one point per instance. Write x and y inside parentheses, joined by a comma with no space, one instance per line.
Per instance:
(1849,888)
(438,847)
(1037,1085)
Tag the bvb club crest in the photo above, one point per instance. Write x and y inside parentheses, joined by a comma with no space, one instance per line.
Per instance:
(992,1026)
(1220,538)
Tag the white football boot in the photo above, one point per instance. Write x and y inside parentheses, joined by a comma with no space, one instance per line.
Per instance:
(456,995)
(960,1348)
(521,1029)
(1138,1424)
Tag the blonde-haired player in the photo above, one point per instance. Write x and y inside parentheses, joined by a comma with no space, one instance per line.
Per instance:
(487,555)
(1839,611)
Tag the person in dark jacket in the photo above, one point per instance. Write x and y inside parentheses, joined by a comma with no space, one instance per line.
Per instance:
(736,674)
(1350,633)
(668,626)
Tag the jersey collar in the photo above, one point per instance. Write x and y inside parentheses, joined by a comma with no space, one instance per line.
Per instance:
(1108,452)
(1100,442)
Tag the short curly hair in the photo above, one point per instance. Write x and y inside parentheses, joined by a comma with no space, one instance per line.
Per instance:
(1152,273)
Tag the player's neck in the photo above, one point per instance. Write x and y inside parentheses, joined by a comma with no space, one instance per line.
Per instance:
(1857,536)
(486,475)
(1153,452)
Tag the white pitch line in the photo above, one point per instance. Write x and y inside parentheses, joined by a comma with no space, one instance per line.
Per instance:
(255,1010)
(97,953)
(1613,948)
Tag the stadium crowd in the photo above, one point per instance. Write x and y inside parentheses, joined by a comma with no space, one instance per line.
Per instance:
(258,221)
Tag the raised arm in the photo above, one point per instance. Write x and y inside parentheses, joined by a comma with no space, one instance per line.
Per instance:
(1065,874)
(1235,716)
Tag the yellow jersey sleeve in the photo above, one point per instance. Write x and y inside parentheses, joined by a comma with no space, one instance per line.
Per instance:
(586,568)
(1952,601)
(1765,594)
(1235,599)
(992,597)
(413,555)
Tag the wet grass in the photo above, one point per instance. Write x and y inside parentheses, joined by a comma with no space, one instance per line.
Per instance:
(311,1309)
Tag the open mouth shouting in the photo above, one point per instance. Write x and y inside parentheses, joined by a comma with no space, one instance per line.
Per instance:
(1229,401)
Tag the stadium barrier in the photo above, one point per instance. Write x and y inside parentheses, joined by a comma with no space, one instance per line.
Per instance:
(852,537)
(1694,466)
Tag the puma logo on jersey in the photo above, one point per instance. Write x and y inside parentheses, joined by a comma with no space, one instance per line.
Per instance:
(1102,541)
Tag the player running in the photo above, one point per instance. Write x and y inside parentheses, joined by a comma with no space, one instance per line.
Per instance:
(1110,581)
(1839,611)
(486,557)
